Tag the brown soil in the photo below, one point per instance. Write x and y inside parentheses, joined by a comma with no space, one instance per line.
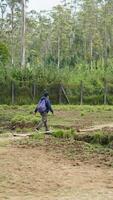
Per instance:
(43,174)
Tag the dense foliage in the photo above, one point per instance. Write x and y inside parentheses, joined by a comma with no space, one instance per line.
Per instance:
(71,45)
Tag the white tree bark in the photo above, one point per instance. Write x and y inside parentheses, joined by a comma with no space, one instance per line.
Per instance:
(23,34)
(12,35)
(58,52)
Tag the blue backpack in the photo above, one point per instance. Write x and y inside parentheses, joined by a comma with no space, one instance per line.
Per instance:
(42,106)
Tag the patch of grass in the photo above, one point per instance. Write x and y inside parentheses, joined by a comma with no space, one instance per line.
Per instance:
(66,134)
(23,121)
(4,142)
(37,136)
(18,130)
(14,107)
(27,130)
(5,135)
(82,113)
(58,133)
(104,139)
(66,116)
(23,130)
(33,120)
(96,138)
(100,138)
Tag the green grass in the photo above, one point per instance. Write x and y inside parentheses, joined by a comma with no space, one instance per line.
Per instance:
(102,138)
(66,134)
(4,143)
(66,116)
(37,136)
(64,138)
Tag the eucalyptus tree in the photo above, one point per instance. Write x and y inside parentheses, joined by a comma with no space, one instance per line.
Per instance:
(61,28)
(23,5)
(12,4)
(107,29)
(88,21)
(3,6)
(18,8)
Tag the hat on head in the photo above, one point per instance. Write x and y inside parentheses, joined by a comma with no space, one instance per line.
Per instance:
(46,93)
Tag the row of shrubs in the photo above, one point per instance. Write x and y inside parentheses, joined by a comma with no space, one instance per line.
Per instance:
(24,121)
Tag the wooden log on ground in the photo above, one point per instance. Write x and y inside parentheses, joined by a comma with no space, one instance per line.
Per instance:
(96,128)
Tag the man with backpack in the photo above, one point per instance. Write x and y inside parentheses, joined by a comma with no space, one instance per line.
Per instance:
(43,107)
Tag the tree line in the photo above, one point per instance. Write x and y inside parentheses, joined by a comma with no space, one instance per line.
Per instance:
(71,43)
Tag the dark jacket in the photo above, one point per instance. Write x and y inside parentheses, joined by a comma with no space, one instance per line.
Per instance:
(48,105)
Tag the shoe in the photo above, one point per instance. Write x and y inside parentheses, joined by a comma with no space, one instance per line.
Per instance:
(37,129)
(48,132)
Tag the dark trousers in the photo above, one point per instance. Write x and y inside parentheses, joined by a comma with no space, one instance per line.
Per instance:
(43,122)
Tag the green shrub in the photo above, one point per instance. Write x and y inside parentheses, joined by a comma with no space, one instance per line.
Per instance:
(14,107)
(4,53)
(100,138)
(18,130)
(82,113)
(58,134)
(21,120)
(67,135)
(96,138)
(34,120)
(64,134)
(93,138)
(26,130)
(104,139)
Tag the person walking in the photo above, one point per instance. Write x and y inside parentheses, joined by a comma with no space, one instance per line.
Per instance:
(44,107)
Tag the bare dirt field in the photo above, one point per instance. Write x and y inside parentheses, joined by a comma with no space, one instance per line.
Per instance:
(56,168)
(39,173)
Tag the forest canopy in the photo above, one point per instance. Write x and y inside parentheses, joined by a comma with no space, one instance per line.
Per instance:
(71,43)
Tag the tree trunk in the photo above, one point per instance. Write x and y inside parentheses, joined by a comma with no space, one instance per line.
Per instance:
(58,52)
(12,92)
(81,93)
(65,95)
(60,94)
(105,42)
(105,92)
(91,52)
(23,35)
(34,91)
(3,9)
(12,35)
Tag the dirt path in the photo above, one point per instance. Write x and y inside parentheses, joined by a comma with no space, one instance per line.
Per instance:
(97,127)
(35,174)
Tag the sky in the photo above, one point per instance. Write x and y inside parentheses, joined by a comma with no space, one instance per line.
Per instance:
(42,4)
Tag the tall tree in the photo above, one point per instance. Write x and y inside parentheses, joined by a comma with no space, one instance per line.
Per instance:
(3,6)
(23,3)
(12,4)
